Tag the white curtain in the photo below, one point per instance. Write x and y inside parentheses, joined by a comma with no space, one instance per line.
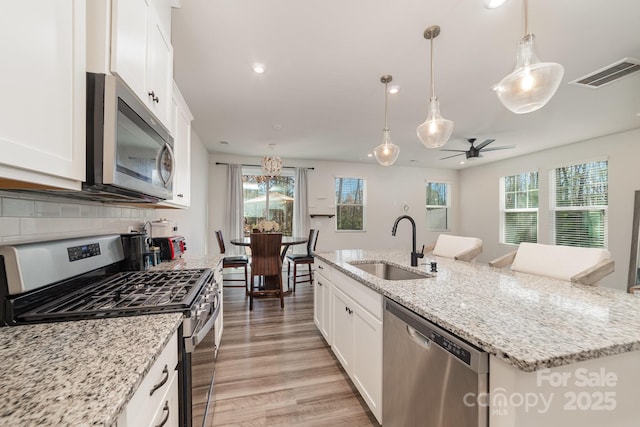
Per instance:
(234,216)
(301,222)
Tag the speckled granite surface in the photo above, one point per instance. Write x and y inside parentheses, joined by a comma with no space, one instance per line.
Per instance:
(529,321)
(77,373)
(190,261)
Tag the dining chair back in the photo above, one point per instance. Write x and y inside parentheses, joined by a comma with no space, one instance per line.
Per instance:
(301,259)
(237,261)
(266,262)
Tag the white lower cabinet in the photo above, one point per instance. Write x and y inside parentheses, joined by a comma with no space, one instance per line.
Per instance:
(155,402)
(322,302)
(357,337)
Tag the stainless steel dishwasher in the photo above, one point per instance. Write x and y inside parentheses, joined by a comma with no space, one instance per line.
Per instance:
(431,378)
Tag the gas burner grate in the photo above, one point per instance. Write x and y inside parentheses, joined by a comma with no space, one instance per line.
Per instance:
(127,293)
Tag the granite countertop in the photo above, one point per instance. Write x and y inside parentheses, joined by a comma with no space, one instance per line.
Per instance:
(190,261)
(79,373)
(529,321)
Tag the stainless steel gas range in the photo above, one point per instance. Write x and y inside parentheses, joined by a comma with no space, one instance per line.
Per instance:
(80,278)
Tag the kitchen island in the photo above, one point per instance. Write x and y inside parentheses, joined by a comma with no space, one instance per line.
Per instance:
(544,336)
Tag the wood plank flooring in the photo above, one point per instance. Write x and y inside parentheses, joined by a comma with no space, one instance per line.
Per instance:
(274,368)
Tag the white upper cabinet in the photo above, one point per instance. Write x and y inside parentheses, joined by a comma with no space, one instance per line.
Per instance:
(182,118)
(43,87)
(141,54)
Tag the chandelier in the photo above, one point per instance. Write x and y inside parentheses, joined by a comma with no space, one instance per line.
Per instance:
(271,166)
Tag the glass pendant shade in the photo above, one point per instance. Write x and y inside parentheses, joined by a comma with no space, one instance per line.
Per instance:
(532,83)
(386,153)
(436,130)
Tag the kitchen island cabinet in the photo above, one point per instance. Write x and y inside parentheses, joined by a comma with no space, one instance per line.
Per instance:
(537,332)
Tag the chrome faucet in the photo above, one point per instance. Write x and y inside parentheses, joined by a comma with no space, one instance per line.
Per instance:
(414,255)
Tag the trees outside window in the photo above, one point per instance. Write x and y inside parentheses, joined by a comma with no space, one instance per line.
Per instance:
(519,208)
(438,206)
(268,199)
(579,205)
(350,204)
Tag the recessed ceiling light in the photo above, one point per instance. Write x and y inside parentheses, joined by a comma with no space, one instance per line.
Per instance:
(258,68)
(492,4)
(462,162)
(394,89)
(369,155)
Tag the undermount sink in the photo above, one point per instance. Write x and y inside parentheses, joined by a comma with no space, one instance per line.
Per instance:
(386,271)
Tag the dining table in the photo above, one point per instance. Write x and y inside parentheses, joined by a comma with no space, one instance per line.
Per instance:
(287,242)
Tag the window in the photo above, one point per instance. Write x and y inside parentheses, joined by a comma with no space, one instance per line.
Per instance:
(438,205)
(350,194)
(519,208)
(267,199)
(579,204)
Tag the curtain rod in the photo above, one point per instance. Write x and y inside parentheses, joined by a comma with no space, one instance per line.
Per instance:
(258,166)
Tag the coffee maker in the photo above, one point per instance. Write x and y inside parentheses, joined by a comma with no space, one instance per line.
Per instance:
(136,250)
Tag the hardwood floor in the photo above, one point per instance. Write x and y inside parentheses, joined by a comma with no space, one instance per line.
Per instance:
(274,368)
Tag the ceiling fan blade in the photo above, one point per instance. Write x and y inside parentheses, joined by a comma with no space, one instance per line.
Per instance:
(455,155)
(506,147)
(458,151)
(484,143)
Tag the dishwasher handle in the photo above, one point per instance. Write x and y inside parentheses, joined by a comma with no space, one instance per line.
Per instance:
(417,337)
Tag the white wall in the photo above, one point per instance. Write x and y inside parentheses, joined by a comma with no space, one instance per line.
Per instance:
(192,222)
(388,189)
(480,195)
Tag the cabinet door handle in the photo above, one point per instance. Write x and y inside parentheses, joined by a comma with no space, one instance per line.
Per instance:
(180,195)
(348,310)
(321,267)
(166,417)
(165,371)
(319,282)
(153,96)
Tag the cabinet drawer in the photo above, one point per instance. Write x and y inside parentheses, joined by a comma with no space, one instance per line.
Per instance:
(143,405)
(369,299)
(167,413)
(323,268)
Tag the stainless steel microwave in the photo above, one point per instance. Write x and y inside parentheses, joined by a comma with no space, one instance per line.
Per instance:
(129,153)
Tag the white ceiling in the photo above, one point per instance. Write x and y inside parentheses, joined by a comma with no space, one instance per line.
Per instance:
(321,95)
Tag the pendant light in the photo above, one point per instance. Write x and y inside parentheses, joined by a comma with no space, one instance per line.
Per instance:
(436,130)
(386,153)
(532,83)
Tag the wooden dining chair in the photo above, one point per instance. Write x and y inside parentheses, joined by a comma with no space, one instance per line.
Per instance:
(236,261)
(266,262)
(301,259)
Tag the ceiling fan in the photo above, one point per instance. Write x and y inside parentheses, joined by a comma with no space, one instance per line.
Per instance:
(474,151)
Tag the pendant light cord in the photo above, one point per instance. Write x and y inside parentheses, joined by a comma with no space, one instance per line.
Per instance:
(526,17)
(433,84)
(386,92)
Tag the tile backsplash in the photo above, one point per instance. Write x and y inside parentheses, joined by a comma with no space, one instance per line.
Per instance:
(25,217)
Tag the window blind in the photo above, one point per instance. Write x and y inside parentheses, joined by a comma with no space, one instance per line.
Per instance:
(519,208)
(350,194)
(579,205)
(437,206)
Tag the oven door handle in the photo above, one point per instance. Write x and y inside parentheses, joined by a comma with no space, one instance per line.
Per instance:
(192,342)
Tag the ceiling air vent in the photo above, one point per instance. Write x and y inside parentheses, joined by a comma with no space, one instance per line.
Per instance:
(609,74)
